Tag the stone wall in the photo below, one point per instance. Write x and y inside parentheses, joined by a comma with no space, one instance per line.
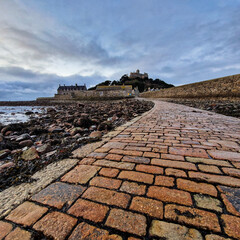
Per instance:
(216,88)
(91,95)
(98,94)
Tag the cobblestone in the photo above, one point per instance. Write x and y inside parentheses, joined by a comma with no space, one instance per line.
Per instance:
(232,172)
(55,224)
(80,174)
(26,214)
(136,159)
(209,168)
(89,210)
(224,180)
(173,164)
(231,225)
(216,237)
(208,202)
(105,182)
(136,176)
(208,161)
(164,181)
(172,157)
(114,157)
(5,228)
(107,196)
(133,188)
(195,217)
(149,169)
(127,152)
(127,222)
(188,152)
(109,172)
(231,199)
(120,165)
(170,195)
(173,173)
(18,234)
(58,194)
(84,231)
(225,155)
(170,231)
(192,186)
(151,207)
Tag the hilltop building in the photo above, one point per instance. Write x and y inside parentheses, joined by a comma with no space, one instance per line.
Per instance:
(137,74)
(70,90)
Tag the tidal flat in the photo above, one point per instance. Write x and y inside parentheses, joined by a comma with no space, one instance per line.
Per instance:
(51,133)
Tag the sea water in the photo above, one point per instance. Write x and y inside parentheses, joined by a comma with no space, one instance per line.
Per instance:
(16,114)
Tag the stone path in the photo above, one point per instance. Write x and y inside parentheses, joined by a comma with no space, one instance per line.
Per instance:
(173,174)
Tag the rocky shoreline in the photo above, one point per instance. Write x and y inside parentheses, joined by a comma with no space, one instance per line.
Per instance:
(27,147)
(228,107)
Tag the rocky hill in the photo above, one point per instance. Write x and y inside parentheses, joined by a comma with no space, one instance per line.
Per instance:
(143,84)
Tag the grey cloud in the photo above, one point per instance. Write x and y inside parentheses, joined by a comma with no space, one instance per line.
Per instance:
(176,42)
(16,72)
(45,45)
(167,69)
(20,84)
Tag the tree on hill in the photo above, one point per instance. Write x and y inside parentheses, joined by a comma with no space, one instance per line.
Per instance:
(106,83)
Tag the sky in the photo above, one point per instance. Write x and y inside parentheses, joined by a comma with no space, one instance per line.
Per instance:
(50,42)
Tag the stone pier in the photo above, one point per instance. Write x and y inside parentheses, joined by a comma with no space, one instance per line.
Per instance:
(173,174)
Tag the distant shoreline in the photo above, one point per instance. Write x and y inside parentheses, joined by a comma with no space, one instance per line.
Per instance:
(27,103)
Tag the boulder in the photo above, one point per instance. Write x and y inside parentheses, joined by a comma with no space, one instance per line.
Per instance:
(8,133)
(25,143)
(5,129)
(76,130)
(55,130)
(49,154)
(84,121)
(16,151)
(93,127)
(22,137)
(96,134)
(4,153)
(30,154)
(29,113)
(6,166)
(38,130)
(106,125)
(44,148)
(51,110)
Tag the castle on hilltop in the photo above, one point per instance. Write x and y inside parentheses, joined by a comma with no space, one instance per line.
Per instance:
(137,74)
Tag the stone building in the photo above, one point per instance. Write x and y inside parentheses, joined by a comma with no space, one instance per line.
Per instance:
(70,90)
(137,74)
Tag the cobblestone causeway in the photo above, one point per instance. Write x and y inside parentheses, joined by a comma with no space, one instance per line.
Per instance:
(174,174)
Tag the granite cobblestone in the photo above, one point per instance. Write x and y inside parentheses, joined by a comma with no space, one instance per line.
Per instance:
(171,174)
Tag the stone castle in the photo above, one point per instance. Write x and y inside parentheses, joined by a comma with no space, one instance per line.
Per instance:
(137,74)
(80,92)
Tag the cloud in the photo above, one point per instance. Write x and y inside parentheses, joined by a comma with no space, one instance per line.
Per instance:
(47,50)
(45,43)
(20,84)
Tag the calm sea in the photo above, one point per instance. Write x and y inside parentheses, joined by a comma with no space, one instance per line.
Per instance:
(10,114)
